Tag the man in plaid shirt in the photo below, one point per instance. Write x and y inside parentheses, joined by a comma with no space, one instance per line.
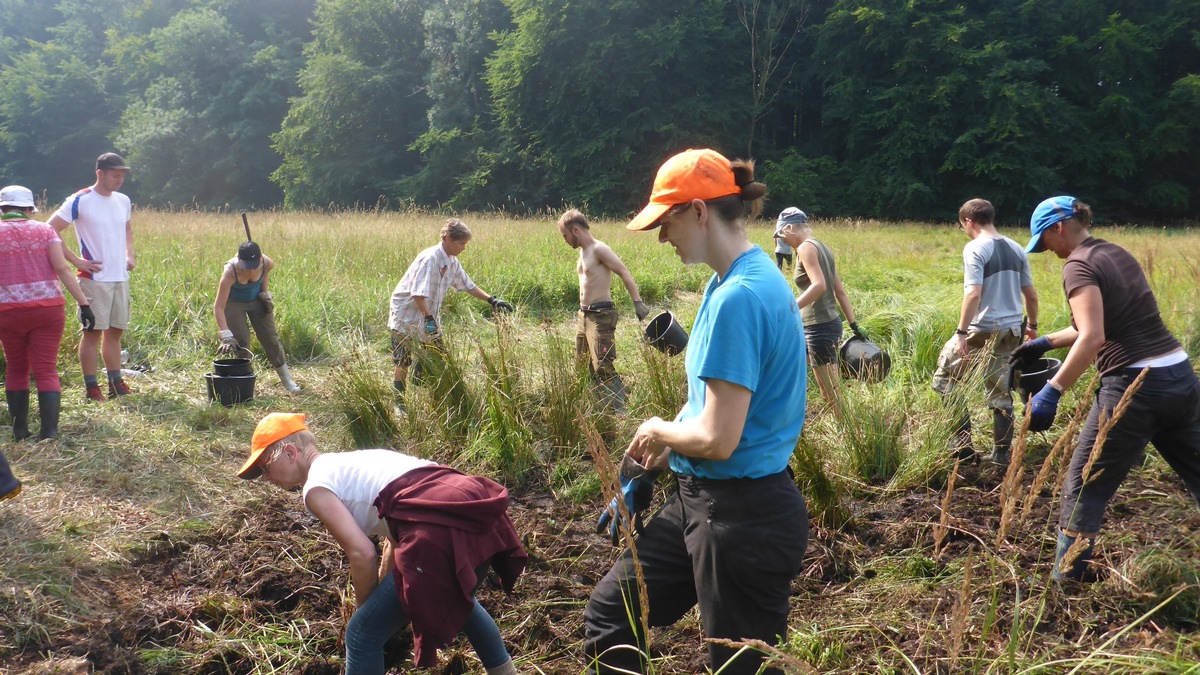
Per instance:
(417,300)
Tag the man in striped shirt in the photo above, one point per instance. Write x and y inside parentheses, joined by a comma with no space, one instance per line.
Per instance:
(417,301)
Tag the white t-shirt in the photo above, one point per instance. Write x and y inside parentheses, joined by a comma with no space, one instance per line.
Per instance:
(356,479)
(100,229)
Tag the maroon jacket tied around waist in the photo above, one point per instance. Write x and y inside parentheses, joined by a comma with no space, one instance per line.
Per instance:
(446,524)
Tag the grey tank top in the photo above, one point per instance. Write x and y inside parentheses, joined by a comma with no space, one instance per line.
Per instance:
(825,308)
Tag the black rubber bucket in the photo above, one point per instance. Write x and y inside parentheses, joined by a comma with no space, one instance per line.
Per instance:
(229,390)
(861,359)
(1036,376)
(666,335)
(232,367)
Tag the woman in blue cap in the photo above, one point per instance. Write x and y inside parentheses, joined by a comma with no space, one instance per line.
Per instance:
(1115,324)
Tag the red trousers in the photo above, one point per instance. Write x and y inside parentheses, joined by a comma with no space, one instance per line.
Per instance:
(31,336)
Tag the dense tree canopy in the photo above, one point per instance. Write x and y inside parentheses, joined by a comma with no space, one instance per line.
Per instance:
(877,108)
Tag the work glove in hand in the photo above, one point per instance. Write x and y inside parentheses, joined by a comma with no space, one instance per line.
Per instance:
(228,342)
(1029,352)
(1043,407)
(637,490)
(86,318)
(641,310)
(500,305)
(857,331)
(431,328)
(268,302)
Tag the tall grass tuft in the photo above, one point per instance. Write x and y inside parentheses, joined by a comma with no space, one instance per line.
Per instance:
(821,489)
(364,397)
(504,441)
(441,371)
(1163,574)
(870,430)
(661,387)
(564,390)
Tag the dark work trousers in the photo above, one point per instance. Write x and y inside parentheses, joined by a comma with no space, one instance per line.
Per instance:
(236,314)
(1165,411)
(734,546)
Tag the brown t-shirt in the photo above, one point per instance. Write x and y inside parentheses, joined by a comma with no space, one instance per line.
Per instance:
(1133,328)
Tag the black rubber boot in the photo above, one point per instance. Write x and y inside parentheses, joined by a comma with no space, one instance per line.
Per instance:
(18,407)
(49,403)
(9,485)
(1002,433)
(961,445)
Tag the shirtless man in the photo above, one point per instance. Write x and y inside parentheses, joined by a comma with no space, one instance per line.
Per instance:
(595,332)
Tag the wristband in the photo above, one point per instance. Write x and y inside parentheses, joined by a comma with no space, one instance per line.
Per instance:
(222,334)
(1031,325)
(959,331)
(429,317)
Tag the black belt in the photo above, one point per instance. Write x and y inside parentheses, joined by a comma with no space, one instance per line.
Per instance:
(597,306)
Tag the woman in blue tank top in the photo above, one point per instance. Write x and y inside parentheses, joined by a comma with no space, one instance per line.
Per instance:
(243,300)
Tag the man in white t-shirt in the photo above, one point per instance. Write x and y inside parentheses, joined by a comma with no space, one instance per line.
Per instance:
(996,279)
(415,312)
(101,216)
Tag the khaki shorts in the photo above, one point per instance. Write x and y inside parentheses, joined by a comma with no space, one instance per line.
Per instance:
(988,351)
(109,301)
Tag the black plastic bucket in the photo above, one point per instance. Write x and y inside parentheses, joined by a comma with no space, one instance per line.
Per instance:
(861,359)
(232,367)
(1035,376)
(666,335)
(229,390)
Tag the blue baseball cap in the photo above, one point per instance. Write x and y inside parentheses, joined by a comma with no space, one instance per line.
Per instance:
(1048,214)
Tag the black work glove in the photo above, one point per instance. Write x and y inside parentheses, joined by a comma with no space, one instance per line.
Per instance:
(641,310)
(857,331)
(499,305)
(1027,353)
(86,318)
(267,301)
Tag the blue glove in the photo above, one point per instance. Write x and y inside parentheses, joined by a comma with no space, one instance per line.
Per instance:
(1028,352)
(431,328)
(1043,407)
(637,491)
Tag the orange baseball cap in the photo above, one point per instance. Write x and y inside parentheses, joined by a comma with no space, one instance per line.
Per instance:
(270,429)
(692,174)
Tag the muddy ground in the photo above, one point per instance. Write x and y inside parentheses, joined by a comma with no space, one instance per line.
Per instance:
(873,591)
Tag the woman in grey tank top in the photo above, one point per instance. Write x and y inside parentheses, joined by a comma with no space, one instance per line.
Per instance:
(821,292)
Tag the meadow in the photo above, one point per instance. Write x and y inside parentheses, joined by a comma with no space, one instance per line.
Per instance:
(135,549)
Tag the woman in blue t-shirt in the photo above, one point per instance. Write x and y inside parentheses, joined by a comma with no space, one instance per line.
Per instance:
(733,537)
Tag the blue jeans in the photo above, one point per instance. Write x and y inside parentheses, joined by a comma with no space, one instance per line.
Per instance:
(381,617)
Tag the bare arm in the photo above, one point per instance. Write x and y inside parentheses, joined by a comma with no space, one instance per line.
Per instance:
(223,288)
(1031,310)
(89,266)
(609,259)
(480,293)
(268,265)
(812,267)
(385,558)
(130,257)
(843,298)
(1085,340)
(63,269)
(364,563)
(712,435)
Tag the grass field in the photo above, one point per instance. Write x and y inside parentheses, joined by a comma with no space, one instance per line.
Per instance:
(135,549)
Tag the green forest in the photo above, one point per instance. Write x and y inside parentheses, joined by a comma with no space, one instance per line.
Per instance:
(882,109)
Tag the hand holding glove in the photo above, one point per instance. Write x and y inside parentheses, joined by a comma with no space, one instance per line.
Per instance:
(857,331)
(268,302)
(86,318)
(637,491)
(641,310)
(499,304)
(431,327)
(228,342)
(1043,407)
(1028,352)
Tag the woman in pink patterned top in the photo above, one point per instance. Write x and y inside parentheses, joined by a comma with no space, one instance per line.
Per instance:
(32,264)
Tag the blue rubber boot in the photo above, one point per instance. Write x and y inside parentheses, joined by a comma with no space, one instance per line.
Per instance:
(1076,568)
